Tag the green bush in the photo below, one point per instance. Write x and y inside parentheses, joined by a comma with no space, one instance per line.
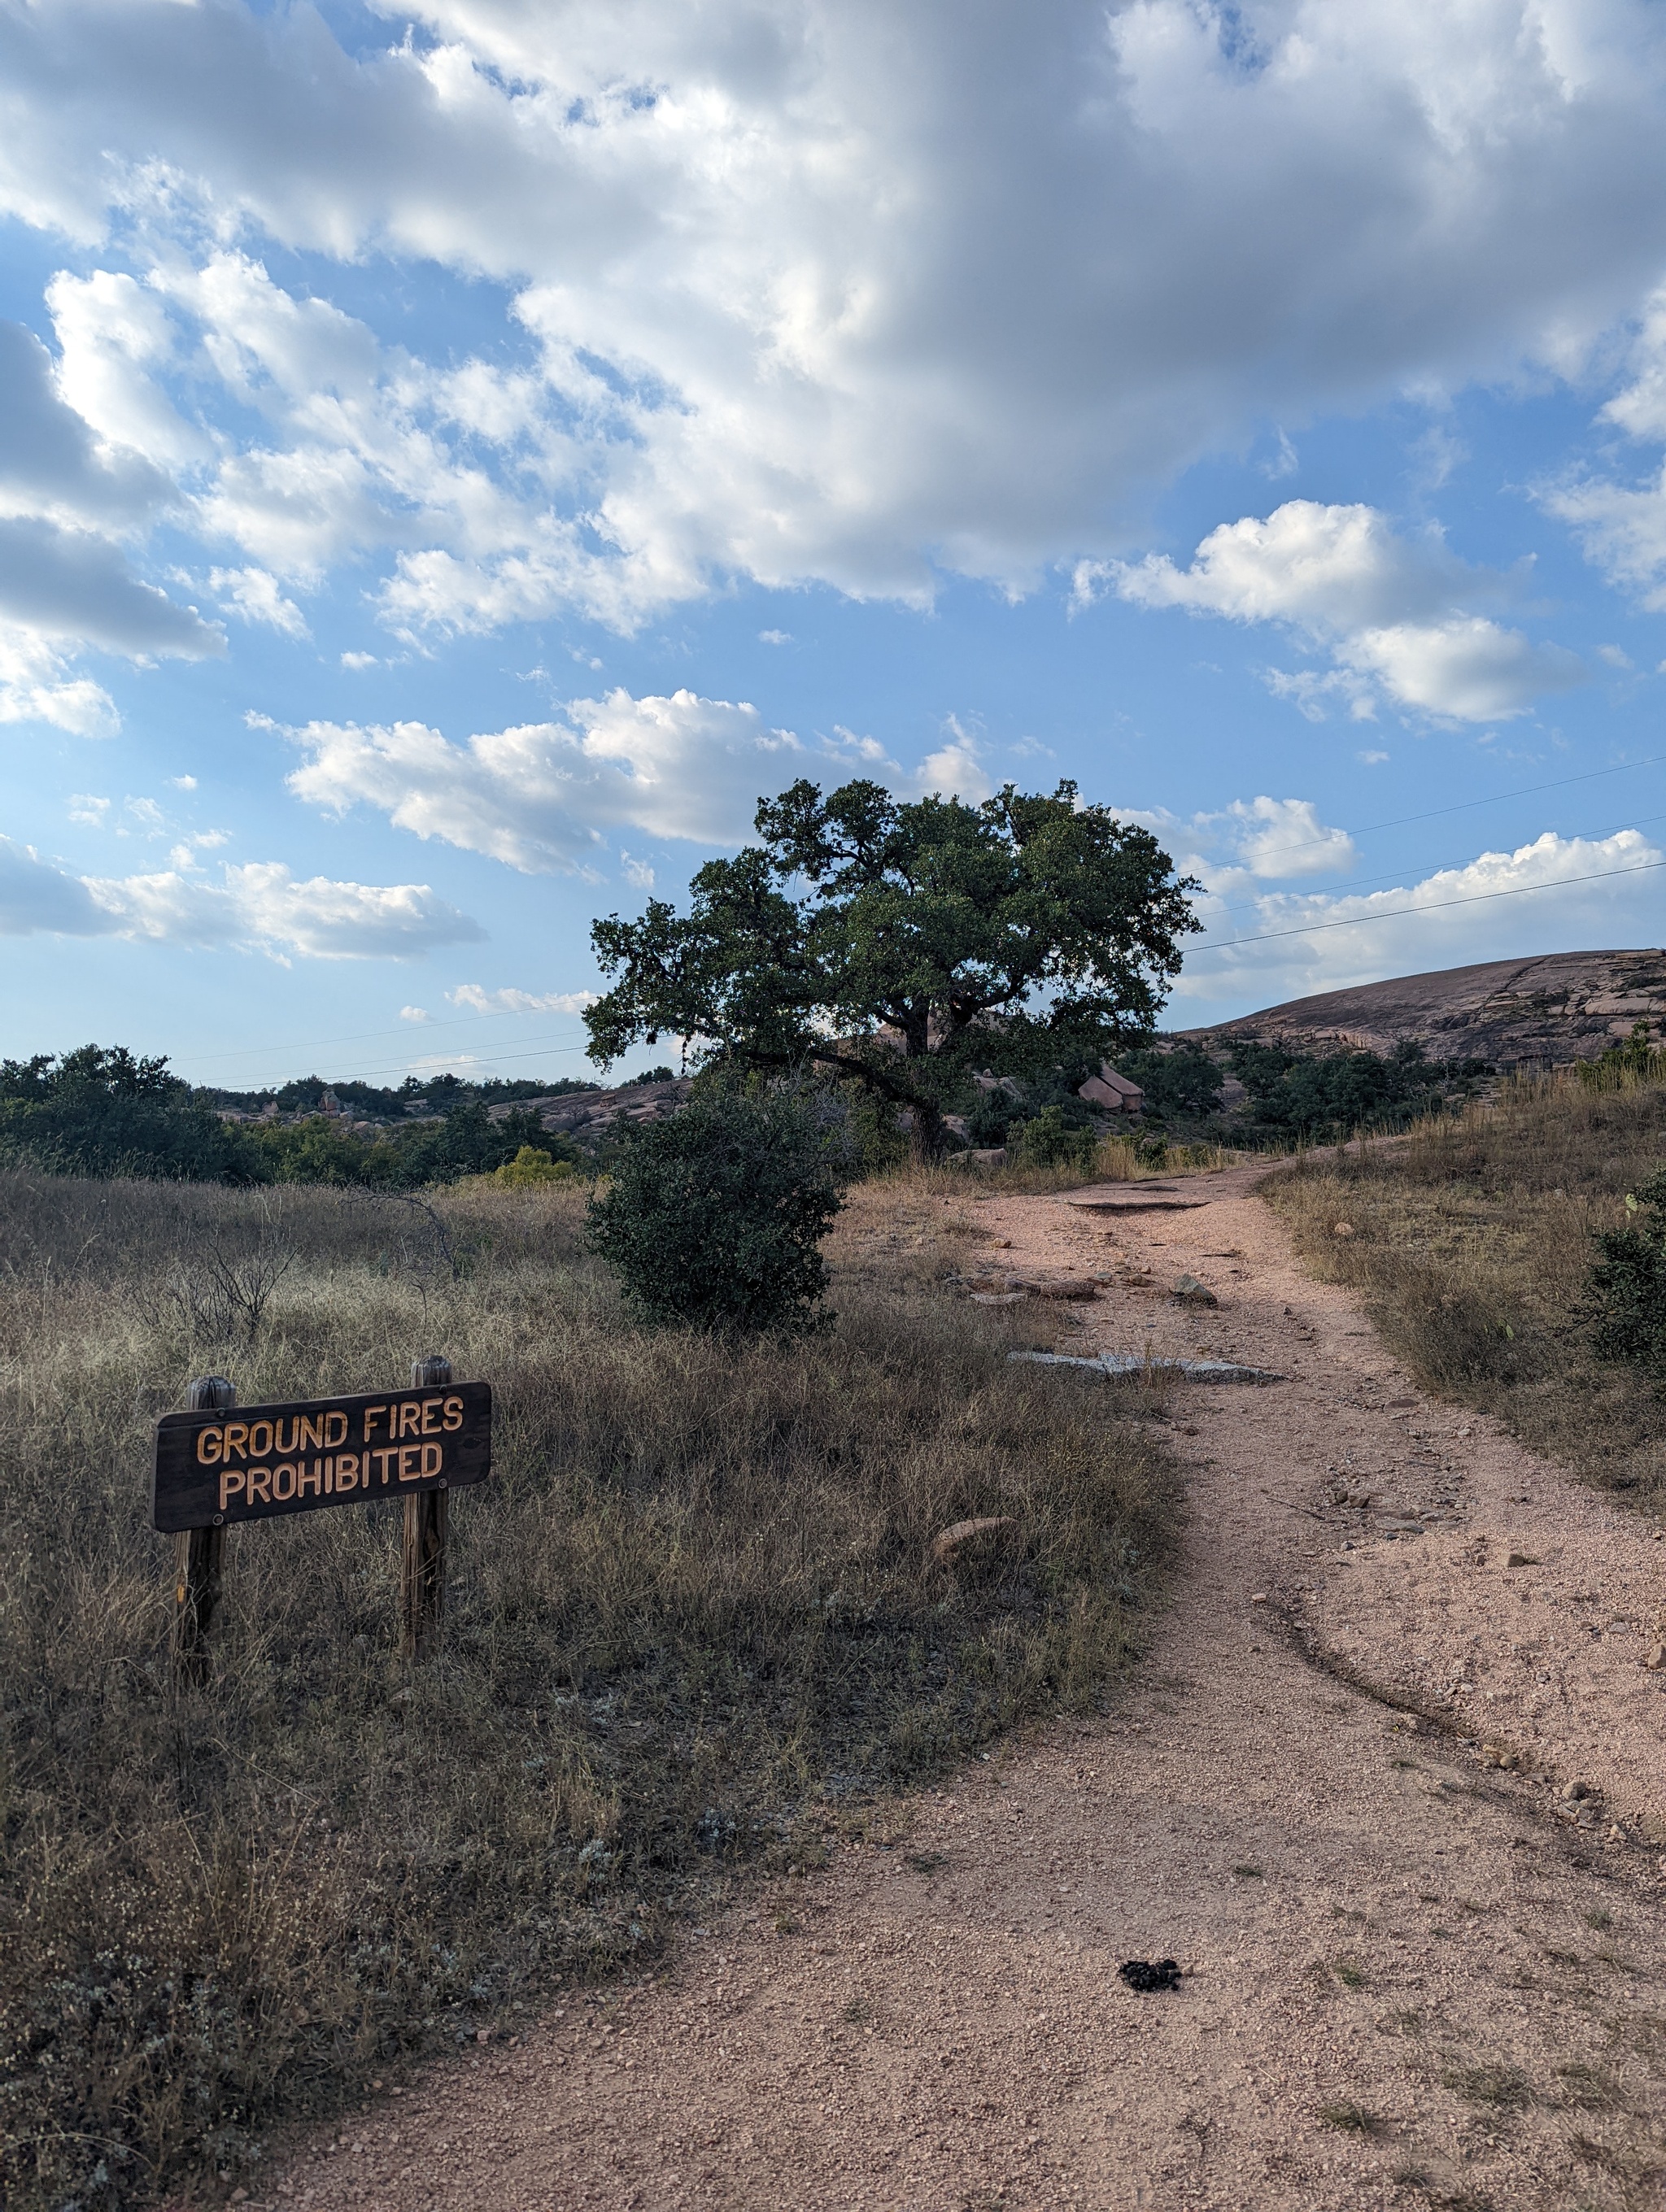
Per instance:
(714,1219)
(1051,1140)
(1626,1290)
(530,1168)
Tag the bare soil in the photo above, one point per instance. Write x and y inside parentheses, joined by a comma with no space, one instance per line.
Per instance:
(1411,1974)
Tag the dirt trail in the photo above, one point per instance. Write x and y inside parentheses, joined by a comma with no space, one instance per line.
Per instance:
(1411,1976)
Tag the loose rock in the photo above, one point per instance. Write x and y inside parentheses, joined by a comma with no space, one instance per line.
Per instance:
(1194,1293)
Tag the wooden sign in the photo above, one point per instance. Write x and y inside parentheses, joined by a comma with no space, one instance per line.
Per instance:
(220,1466)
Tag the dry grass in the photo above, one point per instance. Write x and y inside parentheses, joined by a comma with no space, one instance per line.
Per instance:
(692,1630)
(1115,1159)
(1470,1242)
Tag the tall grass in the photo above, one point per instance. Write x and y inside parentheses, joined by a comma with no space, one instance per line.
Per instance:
(1471,1239)
(692,1624)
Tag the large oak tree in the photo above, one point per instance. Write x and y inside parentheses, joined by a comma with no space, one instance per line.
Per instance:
(906,945)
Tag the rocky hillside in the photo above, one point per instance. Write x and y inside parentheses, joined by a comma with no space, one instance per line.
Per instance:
(1516,1013)
(585,1115)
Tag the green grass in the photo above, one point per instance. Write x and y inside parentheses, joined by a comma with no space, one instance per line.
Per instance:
(693,1633)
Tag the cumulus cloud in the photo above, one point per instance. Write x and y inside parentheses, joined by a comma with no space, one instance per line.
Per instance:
(66,582)
(260,905)
(1279,838)
(1621,526)
(1391,609)
(1551,893)
(807,292)
(544,795)
(512,1002)
(254,597)
(50,462)
(38,685)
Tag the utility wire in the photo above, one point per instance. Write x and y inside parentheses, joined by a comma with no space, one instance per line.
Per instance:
(1405,913)
(1467,806)
(1424,867)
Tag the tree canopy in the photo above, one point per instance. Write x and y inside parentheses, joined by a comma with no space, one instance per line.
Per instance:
(105,1111)
(903,944)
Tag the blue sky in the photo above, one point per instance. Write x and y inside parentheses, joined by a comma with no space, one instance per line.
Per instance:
(453,461)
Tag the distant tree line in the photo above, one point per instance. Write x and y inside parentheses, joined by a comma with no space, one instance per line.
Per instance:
(106,1111)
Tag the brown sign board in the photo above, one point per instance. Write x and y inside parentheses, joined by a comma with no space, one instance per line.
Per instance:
(259,1461)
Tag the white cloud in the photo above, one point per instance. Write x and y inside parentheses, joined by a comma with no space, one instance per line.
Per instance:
(259,906)
(1622,526)
(1231,849)
(545,795)
(1392,611)
(415,1014)
(637,873)
(51,463)
(255,596)
(512,1002)
(64,581)
(774,637)
(1284,837)
(542,796)
(358,660)
(1583,891)
(36,685)
(810,293)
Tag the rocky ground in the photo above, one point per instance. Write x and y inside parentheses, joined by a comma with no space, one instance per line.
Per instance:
(1388,1786)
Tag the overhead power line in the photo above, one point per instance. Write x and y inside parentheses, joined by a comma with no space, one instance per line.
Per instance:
(1435,906)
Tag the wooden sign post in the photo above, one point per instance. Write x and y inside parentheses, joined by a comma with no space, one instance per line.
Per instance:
(216,1464)
(198,1561)
(422,1564)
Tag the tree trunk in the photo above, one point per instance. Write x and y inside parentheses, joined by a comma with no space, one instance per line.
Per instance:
(925,1136)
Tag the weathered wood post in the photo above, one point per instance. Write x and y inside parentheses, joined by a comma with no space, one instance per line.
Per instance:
(423,1578)
(197,1552)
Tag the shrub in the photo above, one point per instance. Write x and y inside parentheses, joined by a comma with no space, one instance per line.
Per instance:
(530,1168)
(714,1219)
(1626,1289)
(1052,1140)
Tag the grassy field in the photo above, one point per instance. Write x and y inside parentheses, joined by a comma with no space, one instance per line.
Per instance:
(1470,1241)
(693,1632)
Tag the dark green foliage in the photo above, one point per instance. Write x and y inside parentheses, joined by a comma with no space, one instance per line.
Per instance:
(1296,1096)
(1051,1140)
(1626,1289)
(99,1111)
(714,1219)
(993,1117)
(369,1101)
(464,1141)
(1184,1083)
(906,945)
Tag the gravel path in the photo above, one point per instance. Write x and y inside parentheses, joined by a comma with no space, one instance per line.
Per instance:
(1412,1974)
